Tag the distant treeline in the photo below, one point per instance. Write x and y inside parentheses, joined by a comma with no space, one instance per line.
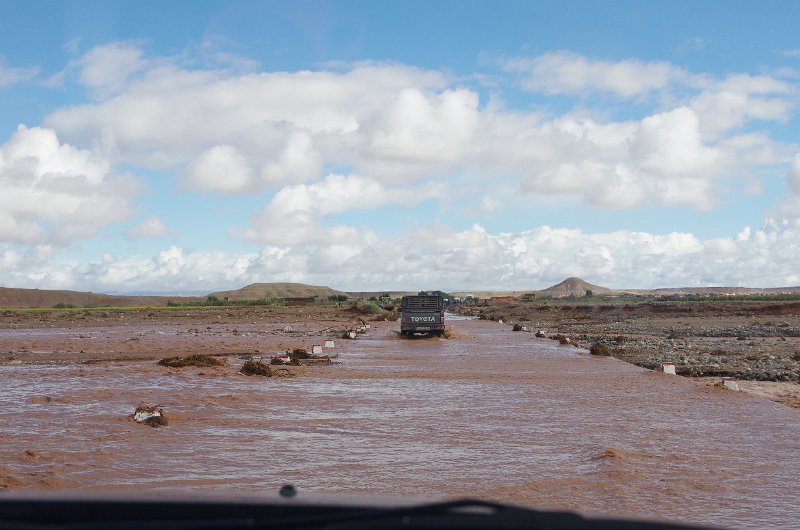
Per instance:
(650,298)
(213,301)
(633,298)
(778,297)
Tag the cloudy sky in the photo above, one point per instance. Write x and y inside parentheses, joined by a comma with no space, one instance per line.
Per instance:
(184,147)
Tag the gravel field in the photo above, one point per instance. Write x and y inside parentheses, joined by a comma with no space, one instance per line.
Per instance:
(749,340)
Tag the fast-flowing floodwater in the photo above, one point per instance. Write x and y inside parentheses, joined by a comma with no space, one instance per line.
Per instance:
(489,413)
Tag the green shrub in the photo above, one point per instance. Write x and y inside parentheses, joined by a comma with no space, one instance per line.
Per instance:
(371,309)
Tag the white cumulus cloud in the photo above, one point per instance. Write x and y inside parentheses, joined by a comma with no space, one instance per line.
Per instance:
(737,99)
(565,72)
(10,75)
(293,215)
(150,227)
(55,192)
(231,133)
(435,256)
(106,69)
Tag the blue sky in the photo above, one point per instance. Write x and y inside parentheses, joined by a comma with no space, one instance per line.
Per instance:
(195,146)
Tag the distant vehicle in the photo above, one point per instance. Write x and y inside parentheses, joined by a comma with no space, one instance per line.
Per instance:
(422,314)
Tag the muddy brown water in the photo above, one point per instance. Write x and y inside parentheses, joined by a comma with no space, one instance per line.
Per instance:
(490,414)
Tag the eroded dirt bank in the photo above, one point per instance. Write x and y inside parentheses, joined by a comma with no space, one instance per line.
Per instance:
(488,413)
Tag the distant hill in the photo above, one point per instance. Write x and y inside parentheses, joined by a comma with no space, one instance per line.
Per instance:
(41,298)
(571,287)
(259,291)
(15,298)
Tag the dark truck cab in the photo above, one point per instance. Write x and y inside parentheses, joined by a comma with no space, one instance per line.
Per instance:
(422,314)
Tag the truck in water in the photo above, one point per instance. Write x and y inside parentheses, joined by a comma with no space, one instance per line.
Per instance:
(422,314)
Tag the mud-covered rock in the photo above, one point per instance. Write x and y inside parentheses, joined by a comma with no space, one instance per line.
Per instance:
(150,415)
(256,368)
(199,360)
(599,348)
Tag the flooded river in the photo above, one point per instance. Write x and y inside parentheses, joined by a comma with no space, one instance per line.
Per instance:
(489,413)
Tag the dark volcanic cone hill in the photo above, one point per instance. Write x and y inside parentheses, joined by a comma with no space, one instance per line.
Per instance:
(260,291)
(571,287)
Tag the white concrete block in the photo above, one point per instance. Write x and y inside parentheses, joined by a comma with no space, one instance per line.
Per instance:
(316,349)
(329,344)
(668,368)
(729,383)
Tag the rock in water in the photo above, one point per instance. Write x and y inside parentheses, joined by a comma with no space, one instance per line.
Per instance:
(152,415)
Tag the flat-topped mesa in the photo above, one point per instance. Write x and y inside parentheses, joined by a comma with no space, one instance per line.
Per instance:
(261,291)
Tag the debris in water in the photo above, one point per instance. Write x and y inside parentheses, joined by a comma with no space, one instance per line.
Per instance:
(196,359)
(152,415)
(38,400)
(282,358)
(729,383)
(298,353)
(610,453)
(561,339)
(255,368)
(599,348)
